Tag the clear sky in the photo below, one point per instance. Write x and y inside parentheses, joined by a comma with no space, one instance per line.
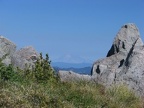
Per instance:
(68,28)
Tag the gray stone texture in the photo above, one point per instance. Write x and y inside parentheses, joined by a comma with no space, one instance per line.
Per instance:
(19,58)
(7,48)
(25,57)
(66,76)
(124,63)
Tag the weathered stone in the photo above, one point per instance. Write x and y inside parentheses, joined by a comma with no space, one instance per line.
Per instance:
(104,70)
(20,58)
(69,76)
(27,55)
(132,74)
(124,63)
(126,37)
(6,48)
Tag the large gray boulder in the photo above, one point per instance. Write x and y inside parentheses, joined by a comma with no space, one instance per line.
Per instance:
(19,58)
(70,76)
(25,57)
(124,63)
(7,48)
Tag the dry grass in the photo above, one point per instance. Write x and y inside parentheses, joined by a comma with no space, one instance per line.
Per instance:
(65,95)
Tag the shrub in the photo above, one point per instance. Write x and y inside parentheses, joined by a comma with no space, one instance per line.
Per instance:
(41,72)
(6,72)
(47,94)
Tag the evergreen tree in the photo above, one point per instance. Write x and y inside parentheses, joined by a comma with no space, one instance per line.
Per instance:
(43,70)
(6,72)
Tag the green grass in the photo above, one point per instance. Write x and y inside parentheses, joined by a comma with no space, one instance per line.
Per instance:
(41,88)
(65,95)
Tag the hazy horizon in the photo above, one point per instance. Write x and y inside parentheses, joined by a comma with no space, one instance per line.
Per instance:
(72,31)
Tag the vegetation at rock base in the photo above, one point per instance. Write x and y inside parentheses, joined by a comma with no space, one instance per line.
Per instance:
(39,87)
(42,72)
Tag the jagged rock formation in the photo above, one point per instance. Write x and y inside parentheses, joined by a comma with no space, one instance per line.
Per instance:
(19,58)
(126,37)
(124,63)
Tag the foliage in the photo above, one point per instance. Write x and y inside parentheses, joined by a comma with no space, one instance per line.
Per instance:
(39,88)
(43,71)
(6,72)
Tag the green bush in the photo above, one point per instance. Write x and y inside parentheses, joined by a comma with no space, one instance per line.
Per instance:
(41,72)
(6,72)
(38,87)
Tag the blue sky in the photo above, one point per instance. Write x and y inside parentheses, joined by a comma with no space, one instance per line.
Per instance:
(68,29)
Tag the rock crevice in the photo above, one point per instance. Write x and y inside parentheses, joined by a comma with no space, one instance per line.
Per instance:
(124,63)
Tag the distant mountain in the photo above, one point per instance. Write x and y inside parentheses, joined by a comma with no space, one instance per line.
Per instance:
(85,70)
(68,58)
(81,68)
(70,65)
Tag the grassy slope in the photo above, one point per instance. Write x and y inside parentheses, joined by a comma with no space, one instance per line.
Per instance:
(40,88)
(28,94)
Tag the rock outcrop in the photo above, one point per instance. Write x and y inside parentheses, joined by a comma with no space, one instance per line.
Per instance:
(124,63)
(24,56)
(19,58)
(7,49)
(126,37)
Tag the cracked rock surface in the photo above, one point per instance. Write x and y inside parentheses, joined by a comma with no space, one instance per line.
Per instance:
(124,63)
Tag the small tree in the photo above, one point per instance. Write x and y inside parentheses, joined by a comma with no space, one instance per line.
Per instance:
(43,70)
(6,72)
